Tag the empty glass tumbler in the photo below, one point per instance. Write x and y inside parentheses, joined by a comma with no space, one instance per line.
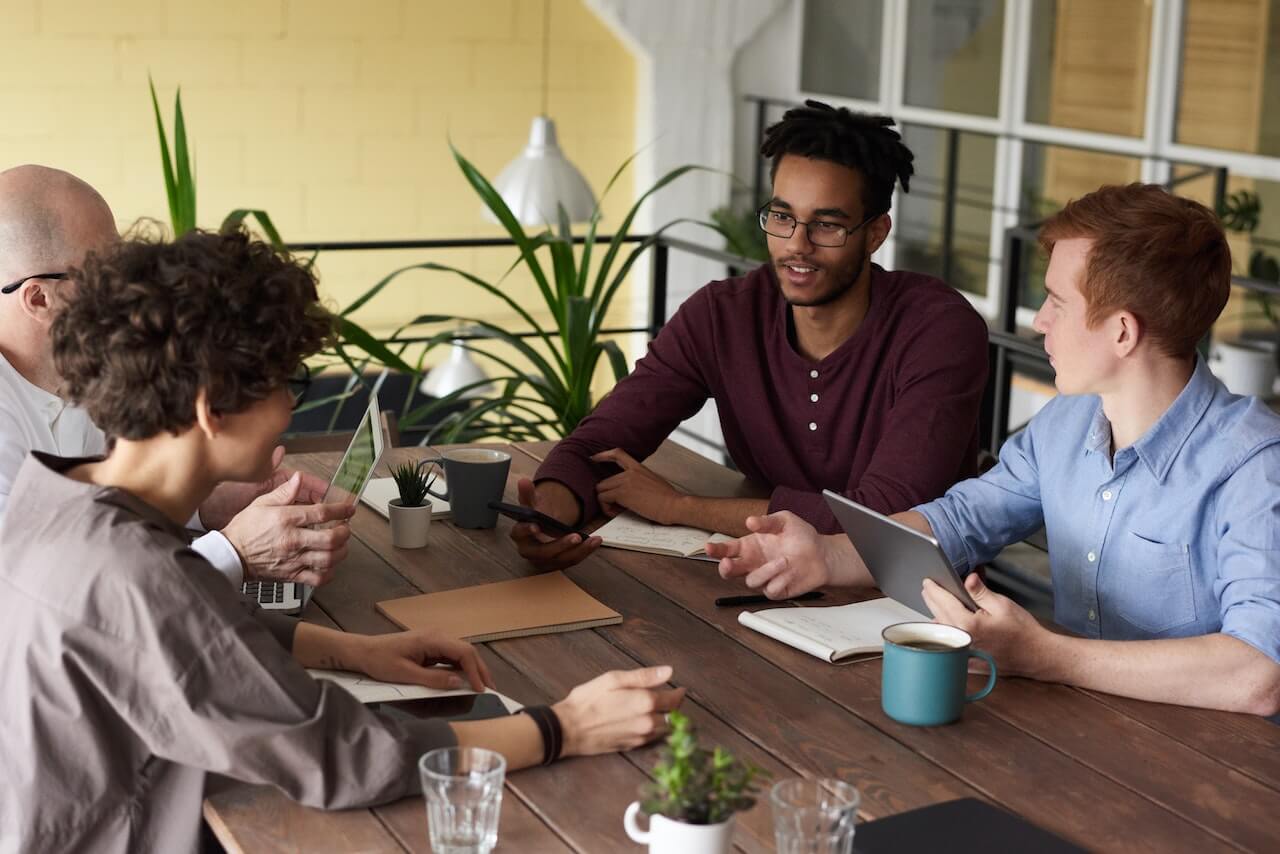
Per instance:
(463,791)
(814,816)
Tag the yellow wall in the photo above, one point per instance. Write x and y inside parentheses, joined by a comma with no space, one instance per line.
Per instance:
(333,115)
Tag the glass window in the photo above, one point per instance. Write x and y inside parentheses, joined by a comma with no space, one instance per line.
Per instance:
(1088,64)
(1229,88)
(1250,211)
(1052,175)
(841,53)
(953,55)
(953,246)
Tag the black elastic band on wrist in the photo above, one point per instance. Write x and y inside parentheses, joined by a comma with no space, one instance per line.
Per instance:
(549,726)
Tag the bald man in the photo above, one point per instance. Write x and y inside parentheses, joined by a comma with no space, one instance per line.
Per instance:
(49,221)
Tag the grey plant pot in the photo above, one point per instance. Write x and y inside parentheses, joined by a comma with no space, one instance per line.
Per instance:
(408,524)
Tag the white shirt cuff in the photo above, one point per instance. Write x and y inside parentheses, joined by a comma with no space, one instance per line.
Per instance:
(194,524)
(218,550)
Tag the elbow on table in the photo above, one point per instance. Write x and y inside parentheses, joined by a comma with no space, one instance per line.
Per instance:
(1262,696)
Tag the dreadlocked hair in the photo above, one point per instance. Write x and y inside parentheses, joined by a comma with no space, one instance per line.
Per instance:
(860,141)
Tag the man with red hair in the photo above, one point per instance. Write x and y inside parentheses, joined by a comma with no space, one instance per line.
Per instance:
(1158,488)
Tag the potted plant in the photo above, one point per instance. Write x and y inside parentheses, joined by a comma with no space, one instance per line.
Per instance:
(1246,361)
(694,795)
(410,514)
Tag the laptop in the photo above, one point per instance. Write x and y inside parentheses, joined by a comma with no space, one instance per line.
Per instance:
(898,558)
(348,482)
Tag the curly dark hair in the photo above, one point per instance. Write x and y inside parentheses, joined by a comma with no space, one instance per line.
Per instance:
(150,323)
(863,142)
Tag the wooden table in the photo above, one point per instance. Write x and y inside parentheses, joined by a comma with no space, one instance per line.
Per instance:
(1108,773)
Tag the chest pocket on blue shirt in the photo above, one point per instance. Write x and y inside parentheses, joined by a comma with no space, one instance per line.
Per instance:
(1156,594)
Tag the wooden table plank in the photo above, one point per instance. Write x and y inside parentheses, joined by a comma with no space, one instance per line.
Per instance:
(260,818)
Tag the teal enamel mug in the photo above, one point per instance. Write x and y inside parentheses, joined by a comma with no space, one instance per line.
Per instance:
(926,668)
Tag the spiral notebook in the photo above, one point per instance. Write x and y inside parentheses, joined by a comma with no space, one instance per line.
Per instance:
(537,605)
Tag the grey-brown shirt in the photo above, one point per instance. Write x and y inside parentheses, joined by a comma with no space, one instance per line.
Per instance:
(129,669)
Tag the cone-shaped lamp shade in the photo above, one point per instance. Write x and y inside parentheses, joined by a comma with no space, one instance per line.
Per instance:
(455,372)
(541,178)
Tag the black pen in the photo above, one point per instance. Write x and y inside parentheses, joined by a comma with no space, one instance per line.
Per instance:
(759,599)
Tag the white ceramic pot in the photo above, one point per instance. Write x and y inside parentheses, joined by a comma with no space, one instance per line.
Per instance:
(666,836)
(1244,368)
(408,524)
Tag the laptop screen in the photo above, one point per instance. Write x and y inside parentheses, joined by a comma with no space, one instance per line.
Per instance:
(358,462)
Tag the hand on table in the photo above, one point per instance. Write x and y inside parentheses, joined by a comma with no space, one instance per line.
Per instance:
(635,488)
(544,551)
(783,554)
(618,710)
(232,497)
(1000,626)
(411,658)
(276,541)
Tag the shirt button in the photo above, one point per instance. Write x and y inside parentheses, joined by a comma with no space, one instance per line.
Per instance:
(813,374)
(814,398)
(813,425)
(1093,615)
(1092,557)
(1106,495)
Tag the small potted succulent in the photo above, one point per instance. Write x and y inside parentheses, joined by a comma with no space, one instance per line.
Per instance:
(410,514)
(693,797)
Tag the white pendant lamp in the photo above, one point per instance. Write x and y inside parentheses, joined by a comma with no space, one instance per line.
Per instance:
(541,180)
(457,371)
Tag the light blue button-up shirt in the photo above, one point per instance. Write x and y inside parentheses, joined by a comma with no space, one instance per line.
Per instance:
(1179,536)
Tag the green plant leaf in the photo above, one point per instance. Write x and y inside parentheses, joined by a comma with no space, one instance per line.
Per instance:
(236,218)
(616,359)
(183,174)
(170,183)
(355,334)
(493,200)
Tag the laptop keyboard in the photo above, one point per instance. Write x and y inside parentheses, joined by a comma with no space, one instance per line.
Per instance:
(269,593)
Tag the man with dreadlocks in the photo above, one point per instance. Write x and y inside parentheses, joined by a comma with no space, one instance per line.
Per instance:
(828,371)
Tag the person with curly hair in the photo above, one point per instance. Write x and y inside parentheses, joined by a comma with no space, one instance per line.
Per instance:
(49,219)
(827,371)
(130,669)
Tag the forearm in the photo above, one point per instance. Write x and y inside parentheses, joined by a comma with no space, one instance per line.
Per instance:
(516,737)
(317,646)
(718,515)
(1211,671)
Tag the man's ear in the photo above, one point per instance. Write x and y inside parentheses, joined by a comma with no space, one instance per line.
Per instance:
(36,301)
(878,231)
(209,421)
(1128,332)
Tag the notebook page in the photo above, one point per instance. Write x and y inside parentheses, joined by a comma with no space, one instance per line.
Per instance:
(629,531)
(842,629)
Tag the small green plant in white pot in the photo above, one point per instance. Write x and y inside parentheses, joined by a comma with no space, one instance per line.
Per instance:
(410,514)
(694,796)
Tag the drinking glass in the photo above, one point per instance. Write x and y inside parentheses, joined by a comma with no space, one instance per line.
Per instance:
(814,816)
(463,791)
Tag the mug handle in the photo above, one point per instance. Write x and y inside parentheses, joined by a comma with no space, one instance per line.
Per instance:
(991,678)
(631,827)
(438,462)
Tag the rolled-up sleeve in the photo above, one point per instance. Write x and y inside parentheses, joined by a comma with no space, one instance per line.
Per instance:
(1248,581)
(978,517)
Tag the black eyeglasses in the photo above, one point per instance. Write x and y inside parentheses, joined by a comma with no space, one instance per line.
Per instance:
(13,286)
(299,383)
(779,223)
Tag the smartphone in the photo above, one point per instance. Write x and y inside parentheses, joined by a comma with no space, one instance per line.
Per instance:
(520,513)
(460,707)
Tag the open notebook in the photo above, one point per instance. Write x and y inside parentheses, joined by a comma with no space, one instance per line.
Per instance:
(838,634)
(381,490)
(629,531)
(536,605)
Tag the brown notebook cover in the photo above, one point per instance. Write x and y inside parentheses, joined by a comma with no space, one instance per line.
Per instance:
(537,605)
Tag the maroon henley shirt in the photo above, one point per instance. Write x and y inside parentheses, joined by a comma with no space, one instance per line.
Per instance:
(889,418)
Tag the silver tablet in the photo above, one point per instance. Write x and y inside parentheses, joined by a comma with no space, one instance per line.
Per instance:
(898,558)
